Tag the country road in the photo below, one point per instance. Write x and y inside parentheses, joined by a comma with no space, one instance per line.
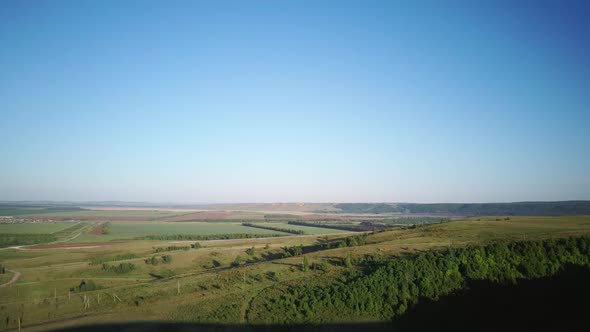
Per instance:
(13,280)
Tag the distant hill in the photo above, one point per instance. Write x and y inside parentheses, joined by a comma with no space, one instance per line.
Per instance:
(557,208)
(473,209)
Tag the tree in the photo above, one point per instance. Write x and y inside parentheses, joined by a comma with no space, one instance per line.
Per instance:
(237,261)
(251,251)
(305,264)
(348,260)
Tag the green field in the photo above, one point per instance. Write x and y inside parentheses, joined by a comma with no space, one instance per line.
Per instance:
(131,230)
(30,228)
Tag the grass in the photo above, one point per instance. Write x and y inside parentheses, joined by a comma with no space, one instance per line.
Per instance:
(30,228)
(219,294)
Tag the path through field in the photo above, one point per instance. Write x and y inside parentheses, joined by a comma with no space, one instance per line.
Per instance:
(13,280)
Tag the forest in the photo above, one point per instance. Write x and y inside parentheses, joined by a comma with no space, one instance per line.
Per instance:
(384,290)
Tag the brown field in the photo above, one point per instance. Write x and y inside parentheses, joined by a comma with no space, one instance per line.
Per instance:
(98,230)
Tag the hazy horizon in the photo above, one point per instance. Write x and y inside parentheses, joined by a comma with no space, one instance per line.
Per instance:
(329,101)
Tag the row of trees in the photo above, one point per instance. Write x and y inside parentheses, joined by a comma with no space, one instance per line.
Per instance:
(102,259)
(197,237)
(344,227)
(272,228)
(384,290)
(170,248)
(119,269)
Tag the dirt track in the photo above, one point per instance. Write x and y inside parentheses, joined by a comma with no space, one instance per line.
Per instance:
(13,280)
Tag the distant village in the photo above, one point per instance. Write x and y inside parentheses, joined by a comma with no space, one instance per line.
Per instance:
(22,220)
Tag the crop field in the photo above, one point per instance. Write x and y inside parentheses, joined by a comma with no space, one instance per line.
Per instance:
(131,230)
(30,228)
(224,281)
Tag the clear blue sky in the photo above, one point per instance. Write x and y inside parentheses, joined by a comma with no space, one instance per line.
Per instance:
(248,101)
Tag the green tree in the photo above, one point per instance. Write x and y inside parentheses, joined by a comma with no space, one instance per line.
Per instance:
(348,260)
(305,264)
(251,251)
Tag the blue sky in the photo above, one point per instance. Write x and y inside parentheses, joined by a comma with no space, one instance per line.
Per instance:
(277,101)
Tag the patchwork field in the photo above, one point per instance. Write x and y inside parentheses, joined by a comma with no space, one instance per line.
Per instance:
(220,280)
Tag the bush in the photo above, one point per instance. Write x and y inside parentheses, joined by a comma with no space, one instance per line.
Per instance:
(237,261)
(85,286)
(119,269)
(251,251)
(166,259)
(323,266)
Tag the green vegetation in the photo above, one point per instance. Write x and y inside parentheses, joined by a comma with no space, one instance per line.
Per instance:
(85,286)
(8,240)
(278,229)
(232,281)
(119,269)
(101,259)
(171,248)
(389,288)
(34,228)
(343,227)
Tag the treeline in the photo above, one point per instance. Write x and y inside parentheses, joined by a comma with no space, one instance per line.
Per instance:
(345,227)
(8,240)
(272,228)
(100,260)
(119,269)
(170,248)
(415,220)
(189,237)
(387,289)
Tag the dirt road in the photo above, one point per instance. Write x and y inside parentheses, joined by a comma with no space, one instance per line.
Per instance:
(13,280)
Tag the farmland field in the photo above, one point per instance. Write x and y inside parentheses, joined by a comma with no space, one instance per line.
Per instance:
(131,230)
(30,228)
(113,214)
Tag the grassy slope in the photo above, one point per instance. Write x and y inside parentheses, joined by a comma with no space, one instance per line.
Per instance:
(221,294)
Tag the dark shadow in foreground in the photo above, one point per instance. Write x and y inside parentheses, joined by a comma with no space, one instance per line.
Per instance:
(557,303)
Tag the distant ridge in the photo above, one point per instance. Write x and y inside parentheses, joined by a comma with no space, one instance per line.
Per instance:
(579,207)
